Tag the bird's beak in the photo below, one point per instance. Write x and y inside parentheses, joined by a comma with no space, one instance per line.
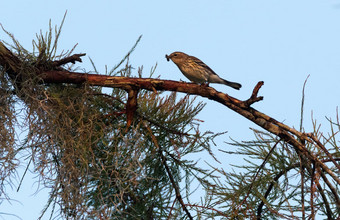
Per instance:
(167,57)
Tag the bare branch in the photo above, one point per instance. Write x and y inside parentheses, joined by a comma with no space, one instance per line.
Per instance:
(131,106)
(254,98)
(70,59)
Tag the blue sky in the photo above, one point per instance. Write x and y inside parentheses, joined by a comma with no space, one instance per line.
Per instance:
(279,42)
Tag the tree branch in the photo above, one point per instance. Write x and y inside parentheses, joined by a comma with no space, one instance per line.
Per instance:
(322,147)
(286,133)
(254,98)
(324,198)
(242,107)
(70,59)
(9,61)
(258,171)
(321,191)
(171,178)
(131,106)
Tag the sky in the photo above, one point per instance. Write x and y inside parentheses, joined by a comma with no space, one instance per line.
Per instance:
(278,42)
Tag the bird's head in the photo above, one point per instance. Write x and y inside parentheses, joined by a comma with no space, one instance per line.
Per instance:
(177,57)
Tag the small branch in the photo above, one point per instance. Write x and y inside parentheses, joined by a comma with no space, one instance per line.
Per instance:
(321,191)
(323,148)
(131,106)
(312,190)
(10,62)
(22,178)
(171,178)
(210,208)
(254,98)
(277,177)
(70,59)
(331,187)
(143,117)
(258,171)
(302,170)
(303,102)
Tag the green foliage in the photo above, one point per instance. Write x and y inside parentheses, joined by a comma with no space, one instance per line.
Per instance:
(81,148)
(268,183)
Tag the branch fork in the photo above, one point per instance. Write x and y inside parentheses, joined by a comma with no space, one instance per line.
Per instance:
(254,98)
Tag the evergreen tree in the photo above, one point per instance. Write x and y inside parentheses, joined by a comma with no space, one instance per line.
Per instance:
(123,154)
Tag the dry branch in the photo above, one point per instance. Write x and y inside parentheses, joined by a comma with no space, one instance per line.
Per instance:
(131,106)
(70,59)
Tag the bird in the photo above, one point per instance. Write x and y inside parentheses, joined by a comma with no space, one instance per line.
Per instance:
(197,71)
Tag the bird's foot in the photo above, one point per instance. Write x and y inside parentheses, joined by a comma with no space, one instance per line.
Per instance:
(205,84)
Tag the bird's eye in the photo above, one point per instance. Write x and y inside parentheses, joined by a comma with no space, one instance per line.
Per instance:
(175,54)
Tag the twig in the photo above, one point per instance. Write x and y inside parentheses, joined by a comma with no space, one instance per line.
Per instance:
(258,171)
(321,191)
(254,98)
(210,208)
(303,102)
(131,106)
(172,207)
(171,178)
(331,187)
(322,147)
(70,59)
(302,169)
(312,180)
(22,178)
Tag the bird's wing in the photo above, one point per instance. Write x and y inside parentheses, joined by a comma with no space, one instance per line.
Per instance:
(199,62)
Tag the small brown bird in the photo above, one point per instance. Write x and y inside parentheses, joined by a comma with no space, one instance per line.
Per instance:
(197,71)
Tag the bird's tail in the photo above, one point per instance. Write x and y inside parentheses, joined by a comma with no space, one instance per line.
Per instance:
(232,84)
(213,78)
